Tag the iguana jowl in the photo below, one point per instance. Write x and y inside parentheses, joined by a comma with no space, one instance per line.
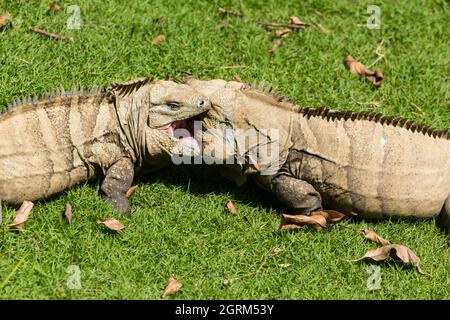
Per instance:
(48,145)
(361,162)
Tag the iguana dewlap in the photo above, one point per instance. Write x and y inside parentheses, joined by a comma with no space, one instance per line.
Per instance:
(51,144)
(366,163)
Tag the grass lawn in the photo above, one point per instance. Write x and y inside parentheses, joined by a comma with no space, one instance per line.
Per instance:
(179,226)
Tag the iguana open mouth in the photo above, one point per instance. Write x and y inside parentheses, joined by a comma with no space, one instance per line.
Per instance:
(184,130)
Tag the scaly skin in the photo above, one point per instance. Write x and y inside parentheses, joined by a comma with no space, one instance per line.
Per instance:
(346,161)
(53,144)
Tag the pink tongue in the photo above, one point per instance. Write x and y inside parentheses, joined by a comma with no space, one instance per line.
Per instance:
(191,142)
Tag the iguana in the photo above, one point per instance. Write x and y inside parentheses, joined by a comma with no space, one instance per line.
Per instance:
(53,143)
(353,162)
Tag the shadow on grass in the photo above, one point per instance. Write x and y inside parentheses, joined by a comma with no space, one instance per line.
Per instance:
(201,180)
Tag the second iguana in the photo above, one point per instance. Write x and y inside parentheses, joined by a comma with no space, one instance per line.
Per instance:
(374,165)
(50,144)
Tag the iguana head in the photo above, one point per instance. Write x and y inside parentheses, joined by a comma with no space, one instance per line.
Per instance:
(157,118)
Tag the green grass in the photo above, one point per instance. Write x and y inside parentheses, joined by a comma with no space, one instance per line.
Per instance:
(179,226)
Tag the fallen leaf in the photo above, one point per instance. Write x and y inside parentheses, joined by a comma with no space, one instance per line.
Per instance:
(131,190)
(318,222)
(5,18)
(173,286)
(331,216)
(275,46)
(111,224)
(225,13)
(297,22)
(237,78)
(376,78)
(22,215)
(282,33)
(231,208)
(158,39)
(372,236)
(358,68)
(288,227)
(396,251)
(54,7)
(68,213)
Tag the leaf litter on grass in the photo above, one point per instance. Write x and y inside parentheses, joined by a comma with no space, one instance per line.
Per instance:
(111,224)
(68,213)
(398,252)
(172,287)
(357,68)
(22,215)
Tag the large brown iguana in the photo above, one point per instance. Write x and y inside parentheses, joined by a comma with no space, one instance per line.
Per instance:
(358,162)
(48,145)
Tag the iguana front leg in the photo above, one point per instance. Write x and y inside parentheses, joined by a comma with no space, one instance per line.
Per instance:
(297,194)
(118,180)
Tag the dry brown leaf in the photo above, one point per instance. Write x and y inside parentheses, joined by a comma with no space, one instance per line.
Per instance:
(111,224)
(225,13)
(297,22)
(158,39)
(22,215)
(5,18)
(68,213)
(131,190)
(358,68)
(275,46)
(231,208)
(376,78)
(237,78)
(288,227)
(282,33)
(54,7)
(173,286)
(331,216)
(318,222)
(448,243)
(372,236)
(396,251)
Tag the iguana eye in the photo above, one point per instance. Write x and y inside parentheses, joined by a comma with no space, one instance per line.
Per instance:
(173,105)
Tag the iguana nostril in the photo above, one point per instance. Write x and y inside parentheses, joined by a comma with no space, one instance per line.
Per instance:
(201,104)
